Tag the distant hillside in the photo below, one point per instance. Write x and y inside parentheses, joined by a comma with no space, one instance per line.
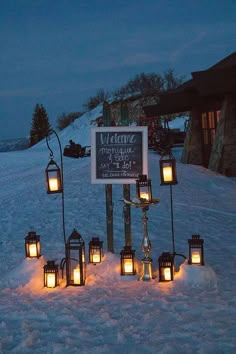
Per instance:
(14,144)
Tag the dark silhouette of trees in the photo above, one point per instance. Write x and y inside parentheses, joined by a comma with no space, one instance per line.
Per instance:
(40,125)
(145,84)
(150,84)
(94,101)
(66,119)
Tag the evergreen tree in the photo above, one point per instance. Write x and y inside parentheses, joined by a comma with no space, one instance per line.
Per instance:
(40,125)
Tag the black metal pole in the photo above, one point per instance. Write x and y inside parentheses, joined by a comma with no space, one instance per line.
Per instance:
(172,220)
(62,180)
(127,215)
(109,214)
(172,226)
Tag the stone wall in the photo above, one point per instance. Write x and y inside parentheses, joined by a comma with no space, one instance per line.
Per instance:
(223,155)
(192,151)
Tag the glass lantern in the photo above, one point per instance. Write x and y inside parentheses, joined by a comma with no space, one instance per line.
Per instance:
(75,260)
(168,170)
(166,267)
(51,279)
(144,189)
(53,178)
(95,250)
(32,245)
(196,250)
(127,264)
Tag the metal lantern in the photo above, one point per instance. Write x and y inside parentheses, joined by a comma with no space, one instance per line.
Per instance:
(53,177)
(32,245)
(95,250)
(144,189)
(51,279)
(196,251)
(127,265)
(168,170)
(75,260)
(166,267)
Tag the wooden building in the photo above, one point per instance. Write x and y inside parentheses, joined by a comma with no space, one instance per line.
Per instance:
(210,97)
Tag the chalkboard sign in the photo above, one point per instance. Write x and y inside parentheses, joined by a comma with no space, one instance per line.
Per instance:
(118,154)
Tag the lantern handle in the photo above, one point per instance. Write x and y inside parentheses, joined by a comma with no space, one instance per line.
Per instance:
(47,139)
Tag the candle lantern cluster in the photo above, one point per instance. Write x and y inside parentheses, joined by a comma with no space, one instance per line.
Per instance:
(127,263)
(51,279)
(196,250)
(95,250)
(32,245)
(53,177)
(75,260)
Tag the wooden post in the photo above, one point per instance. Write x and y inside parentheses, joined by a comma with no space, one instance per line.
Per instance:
(127,216)
(109,214)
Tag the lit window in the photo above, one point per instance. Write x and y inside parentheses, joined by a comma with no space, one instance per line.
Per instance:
(204,121)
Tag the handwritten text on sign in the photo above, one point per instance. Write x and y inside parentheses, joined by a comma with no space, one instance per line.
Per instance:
(120,154)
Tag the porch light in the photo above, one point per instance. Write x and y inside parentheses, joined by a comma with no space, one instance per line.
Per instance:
(53,177)
(32,245)
(75,260)
(127,265)
(51,279)
(166,267)
(168,169)
(144,189)
(196,250)
(95,250)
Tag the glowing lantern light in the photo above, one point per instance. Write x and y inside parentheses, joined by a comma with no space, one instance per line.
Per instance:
(32,245)
(127,264)
(144,189)
(196,251)
(166,267)
(95,250)
(51,279)
(53,178)
(75,260)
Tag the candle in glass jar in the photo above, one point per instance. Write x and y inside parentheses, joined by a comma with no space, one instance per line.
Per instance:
(53,184)
(128,266)
(144,195)
(167,174)
(77,276)
(96,258)
(51,280)
(32,250)
(196,257)
(167,274)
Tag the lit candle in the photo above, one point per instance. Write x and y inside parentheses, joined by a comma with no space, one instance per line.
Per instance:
(53,184)
(96,258)
(144,195)
(77,276)
(196,257)
(51,280)
(167,274)
(167,174)
(32,250)
(128,266)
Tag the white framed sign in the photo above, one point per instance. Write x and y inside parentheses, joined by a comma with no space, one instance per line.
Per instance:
(118,154)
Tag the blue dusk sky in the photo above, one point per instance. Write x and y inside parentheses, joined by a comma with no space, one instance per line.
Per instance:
(59,53)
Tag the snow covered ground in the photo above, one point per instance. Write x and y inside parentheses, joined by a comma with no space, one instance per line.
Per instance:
(196,313)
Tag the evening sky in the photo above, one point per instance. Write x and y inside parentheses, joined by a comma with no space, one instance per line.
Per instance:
(59,53)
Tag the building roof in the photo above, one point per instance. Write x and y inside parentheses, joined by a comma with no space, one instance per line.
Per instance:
(217,80)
